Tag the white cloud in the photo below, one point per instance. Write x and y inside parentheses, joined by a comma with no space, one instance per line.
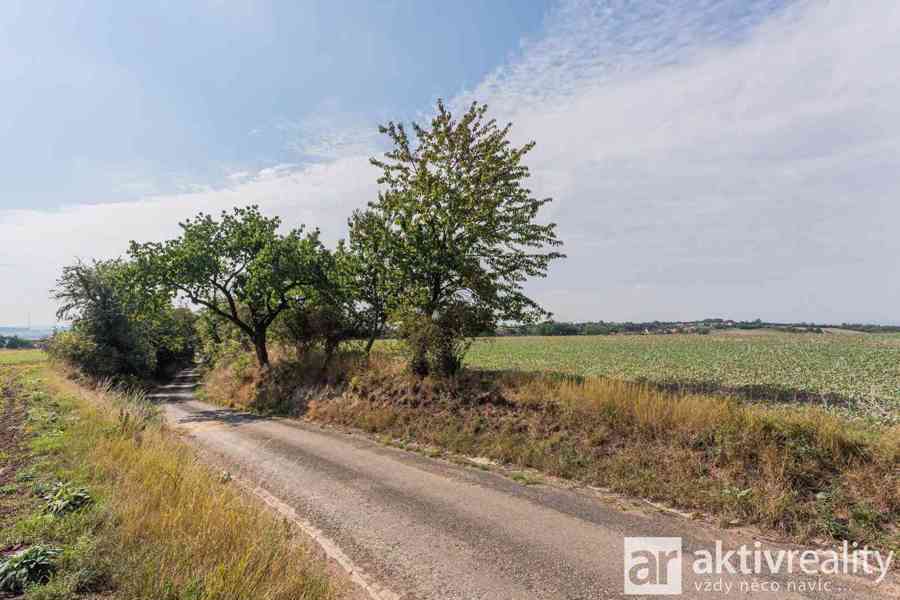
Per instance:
(329,135)
(697,177)
(38,243)
(707,158)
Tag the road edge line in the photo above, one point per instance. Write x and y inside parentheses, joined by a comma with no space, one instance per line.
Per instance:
(358,575)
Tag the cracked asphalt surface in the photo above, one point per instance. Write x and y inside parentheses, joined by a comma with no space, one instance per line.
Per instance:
(416,527)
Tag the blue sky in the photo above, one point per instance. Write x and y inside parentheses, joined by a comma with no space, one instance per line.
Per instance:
(121,99)
(733,158)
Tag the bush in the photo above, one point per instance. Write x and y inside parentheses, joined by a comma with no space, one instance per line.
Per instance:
(83,351)
(437,345)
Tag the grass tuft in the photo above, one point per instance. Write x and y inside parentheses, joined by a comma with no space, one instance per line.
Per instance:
(156,523)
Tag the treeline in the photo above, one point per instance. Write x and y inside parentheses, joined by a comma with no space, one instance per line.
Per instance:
(15,343)
(437,258)
(705,326)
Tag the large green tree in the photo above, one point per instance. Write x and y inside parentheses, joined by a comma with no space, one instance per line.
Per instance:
(239,267)
(462,233)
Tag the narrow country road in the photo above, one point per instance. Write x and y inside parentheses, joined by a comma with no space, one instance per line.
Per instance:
(412,527)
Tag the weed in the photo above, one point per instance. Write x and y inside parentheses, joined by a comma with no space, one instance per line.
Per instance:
(525,478)
(25,475)
(32,565)
(65,497)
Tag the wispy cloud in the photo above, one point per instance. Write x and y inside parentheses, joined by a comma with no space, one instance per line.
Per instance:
(38,243)
(707,157)
(741,167)
(330,136)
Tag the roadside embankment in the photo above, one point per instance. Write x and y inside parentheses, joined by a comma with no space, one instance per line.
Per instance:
(797,470)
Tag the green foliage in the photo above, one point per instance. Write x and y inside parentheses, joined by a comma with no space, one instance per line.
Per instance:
(218,339)
(441,257)
(456,225)
(855,374)
(335,309)
(33,565)
(65,497)
(103,340)
(239,267)
(376,280)
(119,327)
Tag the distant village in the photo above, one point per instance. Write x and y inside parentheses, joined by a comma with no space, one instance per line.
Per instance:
(15,338)
(702,327)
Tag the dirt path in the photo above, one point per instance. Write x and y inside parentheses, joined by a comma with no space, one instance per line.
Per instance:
(412,527)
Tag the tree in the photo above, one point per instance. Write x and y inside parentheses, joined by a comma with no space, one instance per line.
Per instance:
(331,313)
(238,267)
(376,282)
(117,329)
(461,232)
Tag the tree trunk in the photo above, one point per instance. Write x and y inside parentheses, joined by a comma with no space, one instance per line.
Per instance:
(370,343)
(330,347)
(419,362)
(262,353)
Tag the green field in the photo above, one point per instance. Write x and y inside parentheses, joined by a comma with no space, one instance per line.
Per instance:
(21,357)
(860,370)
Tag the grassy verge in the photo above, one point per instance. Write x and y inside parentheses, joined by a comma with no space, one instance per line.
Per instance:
(115,506)
(21,357)
(795,469)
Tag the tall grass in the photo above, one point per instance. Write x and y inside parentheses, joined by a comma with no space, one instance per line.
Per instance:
(175,528)
(796,469)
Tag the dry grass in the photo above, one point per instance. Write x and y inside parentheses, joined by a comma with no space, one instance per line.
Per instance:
(798,470)
(286,388)
(172,528)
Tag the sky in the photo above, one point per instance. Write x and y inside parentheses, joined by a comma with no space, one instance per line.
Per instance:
(707,158)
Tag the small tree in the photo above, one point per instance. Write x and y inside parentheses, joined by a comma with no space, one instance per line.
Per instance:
(376,282)
(461,232)
(331,312)
(239,267)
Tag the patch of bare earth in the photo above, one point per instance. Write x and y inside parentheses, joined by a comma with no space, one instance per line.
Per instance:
(13,454)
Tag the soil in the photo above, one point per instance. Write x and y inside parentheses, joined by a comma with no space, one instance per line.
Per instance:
(12,434)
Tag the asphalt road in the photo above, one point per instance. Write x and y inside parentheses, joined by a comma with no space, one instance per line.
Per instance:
(407,526)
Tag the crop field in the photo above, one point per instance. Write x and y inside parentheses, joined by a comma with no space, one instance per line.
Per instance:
(21,357)
(856,372)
